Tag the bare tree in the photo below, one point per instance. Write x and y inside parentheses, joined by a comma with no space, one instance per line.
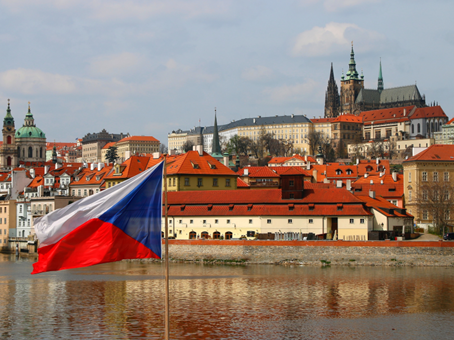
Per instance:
(435,200)
(187,146)
(163,148)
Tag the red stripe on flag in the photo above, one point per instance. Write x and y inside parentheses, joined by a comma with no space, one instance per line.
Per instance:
(94,242)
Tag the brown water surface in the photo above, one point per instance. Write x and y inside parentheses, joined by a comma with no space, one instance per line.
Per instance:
(125,300)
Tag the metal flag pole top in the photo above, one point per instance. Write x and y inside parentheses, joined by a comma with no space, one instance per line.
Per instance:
(166,256)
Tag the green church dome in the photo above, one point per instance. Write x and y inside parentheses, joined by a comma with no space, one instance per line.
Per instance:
(30,132)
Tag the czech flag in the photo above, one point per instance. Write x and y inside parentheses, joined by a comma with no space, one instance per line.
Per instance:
(122,222)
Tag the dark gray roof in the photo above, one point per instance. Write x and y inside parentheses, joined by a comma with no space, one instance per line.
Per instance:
(103,136)
(258,121)
(390,95)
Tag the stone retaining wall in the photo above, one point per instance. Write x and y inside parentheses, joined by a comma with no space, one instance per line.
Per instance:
(380,253)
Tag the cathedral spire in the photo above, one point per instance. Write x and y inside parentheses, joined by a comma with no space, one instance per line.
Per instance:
(8,120)
(216,147)
(380,79)
(332,99)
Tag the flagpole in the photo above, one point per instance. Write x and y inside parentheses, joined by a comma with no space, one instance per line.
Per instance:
(166,256)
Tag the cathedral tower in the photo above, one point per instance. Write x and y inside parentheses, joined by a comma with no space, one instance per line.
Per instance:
(351,85)
(380,79)
(8,153)
(332,101)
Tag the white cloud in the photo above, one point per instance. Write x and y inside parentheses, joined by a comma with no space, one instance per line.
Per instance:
(290,93)
(321,41)
(117,64)
(122,9)
(257,73)
(36,82)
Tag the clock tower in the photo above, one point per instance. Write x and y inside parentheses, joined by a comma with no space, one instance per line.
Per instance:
(8,152)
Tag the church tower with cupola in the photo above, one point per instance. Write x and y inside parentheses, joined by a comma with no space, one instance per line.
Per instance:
(351,85)
(8,153)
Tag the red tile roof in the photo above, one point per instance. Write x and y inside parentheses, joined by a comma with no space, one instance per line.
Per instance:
(240,184)
(59,146)
(294,170)
(428,112)
(281,160)
(109,145)
(88,177)
(315,194)
(385,207)
(131,167)
(258,172)
(191,163)
(386,114)
(436,152)
(348,118)
(139,139)
(389,189)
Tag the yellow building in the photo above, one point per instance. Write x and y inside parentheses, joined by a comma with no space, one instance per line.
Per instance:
(7,222)
(136,145)
(433,167)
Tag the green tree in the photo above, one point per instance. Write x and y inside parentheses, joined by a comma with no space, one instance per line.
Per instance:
(111,154)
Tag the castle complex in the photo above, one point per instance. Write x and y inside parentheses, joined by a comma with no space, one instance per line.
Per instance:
(354,98)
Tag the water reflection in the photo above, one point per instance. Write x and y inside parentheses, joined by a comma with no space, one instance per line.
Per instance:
(125,300)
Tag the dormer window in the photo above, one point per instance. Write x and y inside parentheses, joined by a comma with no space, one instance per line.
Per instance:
(212,166)
(195,165)
(349,171)
(338,172)
(369,168)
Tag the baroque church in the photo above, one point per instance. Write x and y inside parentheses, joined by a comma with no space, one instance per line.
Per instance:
(354,98)
(28,144)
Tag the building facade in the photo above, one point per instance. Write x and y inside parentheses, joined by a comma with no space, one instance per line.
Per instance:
(93,143)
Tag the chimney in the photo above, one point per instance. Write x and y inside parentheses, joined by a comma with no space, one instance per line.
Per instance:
(338,184)
(194,148)
(305,158)
(127,155)
(377,161)
(156,155)
(246,172)
(253,120)
(40,191)
(200,150)
(57,165)
(357,161)
(46,169)
(92,166)
(381,182)
(315,175)
(365,175)
(226,160)
(371,182)
(32,173)
(372,194)
(405,112)
(308,165)
(349,185)
(100,166)
(394,176)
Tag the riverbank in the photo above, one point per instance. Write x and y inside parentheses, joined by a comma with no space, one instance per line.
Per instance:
(315,253)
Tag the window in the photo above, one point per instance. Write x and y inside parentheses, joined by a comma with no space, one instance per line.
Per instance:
(409,177)
(447,215)
(446,176)
(446,195)
(186,181)
(435,176)
(20,208)
(85,192)
(181,221)
(352,220)
(215,182)
(78,192)
(291,183)
(228,221)
(216,221)
(292,195)
(425,215)
(311,221)
(361,220)
(227,182)
(290,221)
(250,221)
(204,221)
(424,195)
(268,221)
(191,221)
(409,195)
(424,176)
(199,182)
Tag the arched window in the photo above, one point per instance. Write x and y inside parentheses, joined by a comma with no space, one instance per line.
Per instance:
(205,235)
(228,235)
(192,235)
(419,128)
(412,128)
(36,152)
(41,152)
(8,161)
(216,235)
(8,140)
(30,152)
(18,151)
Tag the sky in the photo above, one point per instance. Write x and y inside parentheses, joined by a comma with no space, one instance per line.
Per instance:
(150,67)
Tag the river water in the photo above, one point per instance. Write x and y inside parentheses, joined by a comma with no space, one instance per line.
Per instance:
(125,300)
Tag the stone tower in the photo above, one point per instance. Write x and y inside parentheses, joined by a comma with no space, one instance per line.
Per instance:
(332,100)
(351,85)
(8,153)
